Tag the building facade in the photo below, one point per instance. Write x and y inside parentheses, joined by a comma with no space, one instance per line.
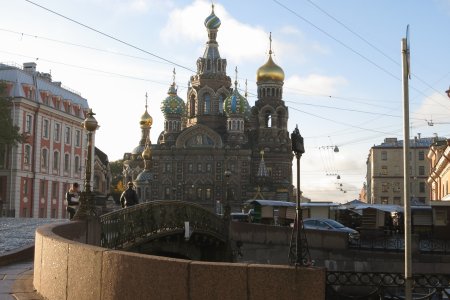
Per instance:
(439,177)
(35,175)
(385,171)
(215,146)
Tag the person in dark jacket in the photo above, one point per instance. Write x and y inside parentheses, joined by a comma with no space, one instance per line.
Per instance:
(129,196)
(72,197)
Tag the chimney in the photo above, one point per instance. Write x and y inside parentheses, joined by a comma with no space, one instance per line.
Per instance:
(29,67)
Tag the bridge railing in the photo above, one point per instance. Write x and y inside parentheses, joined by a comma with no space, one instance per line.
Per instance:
(150,220)
(377,285)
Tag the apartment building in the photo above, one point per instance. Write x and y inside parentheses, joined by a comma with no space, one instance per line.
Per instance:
(385,171)
(35,175)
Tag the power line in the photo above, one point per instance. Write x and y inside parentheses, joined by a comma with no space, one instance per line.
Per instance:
(360,54)
(110,36)
(80,45)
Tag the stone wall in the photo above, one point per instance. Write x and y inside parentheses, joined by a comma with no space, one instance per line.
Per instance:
(65,268)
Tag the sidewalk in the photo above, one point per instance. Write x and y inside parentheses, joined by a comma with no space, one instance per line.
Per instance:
(16,282)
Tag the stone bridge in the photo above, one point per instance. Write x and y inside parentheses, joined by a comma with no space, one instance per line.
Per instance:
(169,228)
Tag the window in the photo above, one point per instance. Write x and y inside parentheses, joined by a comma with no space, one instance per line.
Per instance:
(27,155)
(190,167)
(77,164)
(77,138)
(396,187)
(67,135)
(167,193)
(421,155)
(383,155)
(42,188)
(28,124)
(208,194)
(384,170)
(45,129)
(57,132)
(384,200)
(221,97)
(55,190)
(384,187)
(2,156)
(167,167)
(55,160)
(44,159)
(208,167)
(421,187)
(397,200)
(66,162)
(207,108)
(199,167)
(268,120)
(422,170)
(25,187)
(199,193)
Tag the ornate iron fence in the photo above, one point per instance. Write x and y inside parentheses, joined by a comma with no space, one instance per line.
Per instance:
(397,244)
(352,285)
(127,227)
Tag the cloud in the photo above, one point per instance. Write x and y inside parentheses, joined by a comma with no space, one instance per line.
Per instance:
(135,6)
(316,84)
(238,41)
(435,107)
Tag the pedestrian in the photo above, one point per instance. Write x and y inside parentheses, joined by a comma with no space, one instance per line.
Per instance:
(72,199)
(129,196)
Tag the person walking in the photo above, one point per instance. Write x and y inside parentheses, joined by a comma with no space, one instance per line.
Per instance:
(129,196)
(72,199)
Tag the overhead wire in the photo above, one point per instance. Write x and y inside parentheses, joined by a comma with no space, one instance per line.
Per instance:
(360,54)
(109,36)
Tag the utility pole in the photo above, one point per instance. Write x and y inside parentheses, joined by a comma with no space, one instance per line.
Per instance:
(406,187)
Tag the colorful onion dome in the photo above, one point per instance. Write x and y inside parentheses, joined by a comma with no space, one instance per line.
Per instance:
(212,21)
(236,103)
(173,104)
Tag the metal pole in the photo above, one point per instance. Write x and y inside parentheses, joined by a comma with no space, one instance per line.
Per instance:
(406,167)
(298,248)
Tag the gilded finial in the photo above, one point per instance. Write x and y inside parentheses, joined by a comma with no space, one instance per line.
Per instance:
(236,75)
(146,99)
(270,43)
(262,154)
(246,88)
(174,74)
(212,6)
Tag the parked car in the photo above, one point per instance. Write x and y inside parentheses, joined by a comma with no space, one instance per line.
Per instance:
(240,217)
(331,225)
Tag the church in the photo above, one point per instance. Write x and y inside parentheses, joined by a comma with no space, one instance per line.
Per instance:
(215,148)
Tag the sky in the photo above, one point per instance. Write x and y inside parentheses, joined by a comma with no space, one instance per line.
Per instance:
(342,61)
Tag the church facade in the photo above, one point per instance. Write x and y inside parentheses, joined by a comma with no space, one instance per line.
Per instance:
(215,148)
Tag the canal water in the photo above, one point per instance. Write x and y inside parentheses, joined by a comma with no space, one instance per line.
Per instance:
(19,232)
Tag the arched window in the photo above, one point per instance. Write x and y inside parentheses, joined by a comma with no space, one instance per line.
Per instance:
(192,106)
(268,120)
(221,97)
(77,164)
(27,155)
(208,65)
(44,162)
(280,119)
(66,162)
(207,108)
(55,160)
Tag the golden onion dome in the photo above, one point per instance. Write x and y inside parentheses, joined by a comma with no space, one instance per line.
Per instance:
(270,71)
(147,153)
(146,119)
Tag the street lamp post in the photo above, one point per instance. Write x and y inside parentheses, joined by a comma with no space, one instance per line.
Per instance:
(227,210)
(301,254)
(86,208)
